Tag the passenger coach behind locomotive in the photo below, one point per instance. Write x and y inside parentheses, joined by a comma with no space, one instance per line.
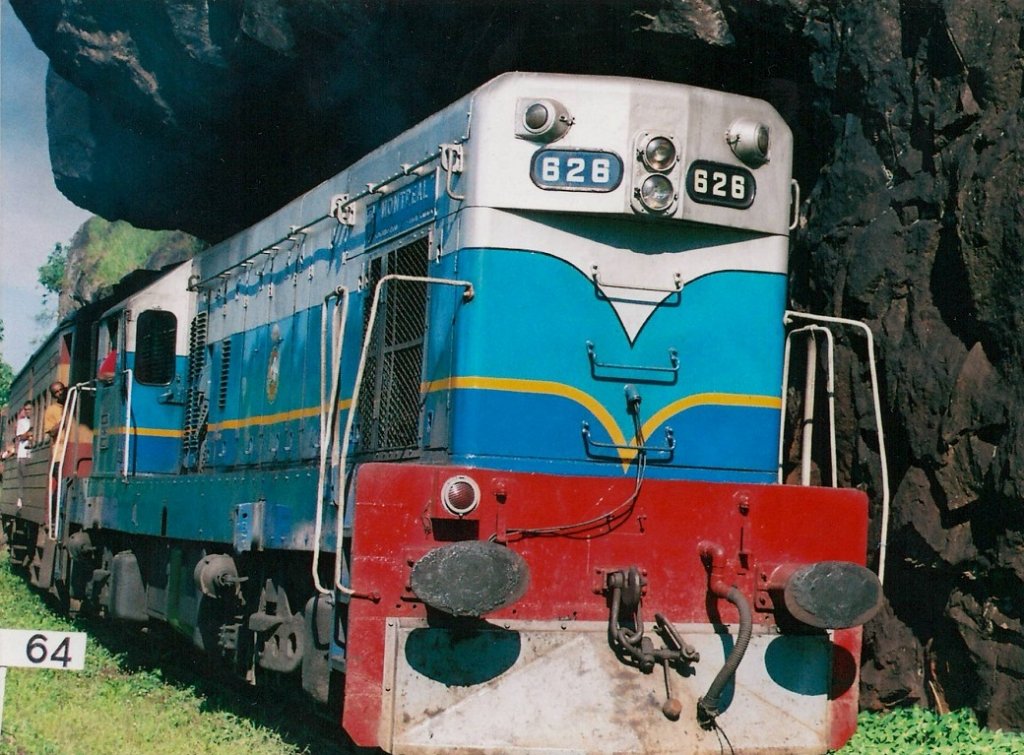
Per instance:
(460,421)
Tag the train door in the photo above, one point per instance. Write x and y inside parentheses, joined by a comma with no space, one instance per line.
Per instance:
(77,352)
(142,380)
(157,393)
(111,397)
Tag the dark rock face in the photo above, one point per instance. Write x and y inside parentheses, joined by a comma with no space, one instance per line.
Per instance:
(910,150)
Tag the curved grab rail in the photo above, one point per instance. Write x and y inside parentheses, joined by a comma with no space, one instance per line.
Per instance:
(789,317)
(668,449)
(809,397)
(328,412)
(341,453)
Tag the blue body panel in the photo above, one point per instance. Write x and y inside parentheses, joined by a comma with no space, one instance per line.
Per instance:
(508,383)
(154,425)
(521,398)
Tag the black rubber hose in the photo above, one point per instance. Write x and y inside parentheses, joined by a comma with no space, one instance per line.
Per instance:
(707,706)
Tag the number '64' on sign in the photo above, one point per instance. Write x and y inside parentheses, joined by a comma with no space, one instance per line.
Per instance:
(29,648)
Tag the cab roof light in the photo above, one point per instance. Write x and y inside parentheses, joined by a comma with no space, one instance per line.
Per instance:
(750,141)
(542,119)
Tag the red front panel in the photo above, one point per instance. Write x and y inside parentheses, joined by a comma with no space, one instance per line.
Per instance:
(399,518)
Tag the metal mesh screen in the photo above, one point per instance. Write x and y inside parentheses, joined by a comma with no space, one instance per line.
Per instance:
(195,401)
(390,397)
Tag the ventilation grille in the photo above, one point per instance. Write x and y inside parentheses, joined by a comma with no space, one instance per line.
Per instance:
(225,372)
(390,398)
(195,401)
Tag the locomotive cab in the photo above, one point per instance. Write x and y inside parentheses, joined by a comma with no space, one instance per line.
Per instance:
(140,379)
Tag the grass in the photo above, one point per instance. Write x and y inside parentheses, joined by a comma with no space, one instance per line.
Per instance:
(138,697)
(916,731)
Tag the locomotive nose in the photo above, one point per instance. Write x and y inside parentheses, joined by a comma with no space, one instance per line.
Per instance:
(470,578)
(828,594)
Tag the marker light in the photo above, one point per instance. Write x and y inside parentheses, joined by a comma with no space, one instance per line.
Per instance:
(659,154)
(656,193)
(460,495)
(542,120)
(749,141)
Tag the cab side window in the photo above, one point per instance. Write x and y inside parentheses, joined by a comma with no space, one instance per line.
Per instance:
(155,336)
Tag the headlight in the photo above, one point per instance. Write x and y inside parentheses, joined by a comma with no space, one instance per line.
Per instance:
(656,193)
(659,154)
(542,120)
(749,141)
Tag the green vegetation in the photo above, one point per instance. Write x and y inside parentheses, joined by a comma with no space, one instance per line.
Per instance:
(106,251)
(51,272)
(129,701)
(916,731)
(51,276)
(6,373)
(101,254)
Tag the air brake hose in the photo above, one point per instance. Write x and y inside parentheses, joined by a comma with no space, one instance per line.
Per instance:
(707,706)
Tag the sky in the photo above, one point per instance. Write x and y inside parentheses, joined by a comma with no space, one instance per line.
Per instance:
(33,214)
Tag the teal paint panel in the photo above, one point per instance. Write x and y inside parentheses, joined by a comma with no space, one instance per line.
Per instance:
(204,507)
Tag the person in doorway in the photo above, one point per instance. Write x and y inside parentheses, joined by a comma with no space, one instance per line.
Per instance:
(23,441)
(52,424)
(54,412)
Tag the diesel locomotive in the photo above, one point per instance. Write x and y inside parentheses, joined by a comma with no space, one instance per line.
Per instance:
(482,441)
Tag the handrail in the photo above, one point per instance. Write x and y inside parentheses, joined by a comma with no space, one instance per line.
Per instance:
(130,378)
(59,448)
(809,400)
(328,411)
(342,452)
(337,207)
(877,405)
(341,202)
(673,358)
(677,283)
(668,449)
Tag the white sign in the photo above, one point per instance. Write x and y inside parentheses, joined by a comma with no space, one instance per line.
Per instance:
(32,648)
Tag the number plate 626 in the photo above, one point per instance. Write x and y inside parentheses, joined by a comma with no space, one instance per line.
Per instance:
(576,170)
(717,183)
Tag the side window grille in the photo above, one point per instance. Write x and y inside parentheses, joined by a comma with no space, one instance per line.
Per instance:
(195,401)
(225,372)
(390,397)
(155,335)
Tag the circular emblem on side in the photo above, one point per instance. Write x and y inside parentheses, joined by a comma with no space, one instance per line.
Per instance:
(273,374)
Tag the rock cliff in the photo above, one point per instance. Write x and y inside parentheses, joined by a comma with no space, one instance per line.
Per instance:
(908,121)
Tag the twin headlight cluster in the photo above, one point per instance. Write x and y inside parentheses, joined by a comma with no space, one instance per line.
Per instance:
(654,182)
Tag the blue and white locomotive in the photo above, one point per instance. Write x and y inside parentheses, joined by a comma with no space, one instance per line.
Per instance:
(484,433)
